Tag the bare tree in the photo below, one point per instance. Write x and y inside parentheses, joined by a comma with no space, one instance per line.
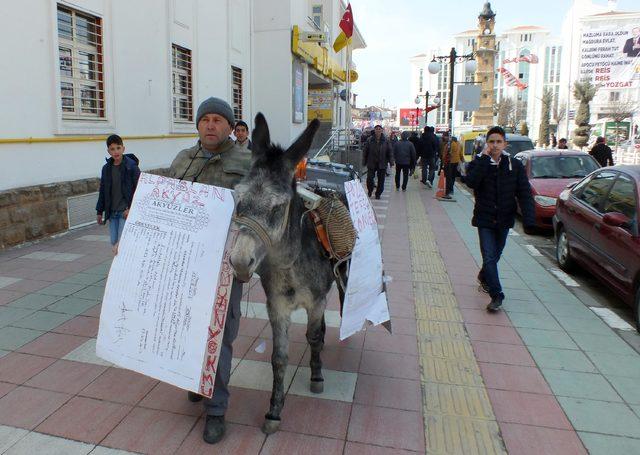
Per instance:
(559,111)
(620,110)
(504,111)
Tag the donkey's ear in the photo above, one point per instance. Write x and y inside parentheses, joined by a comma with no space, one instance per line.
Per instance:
(260,135)
(301,146)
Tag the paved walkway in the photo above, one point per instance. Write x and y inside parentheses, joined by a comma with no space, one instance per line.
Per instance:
(545,376)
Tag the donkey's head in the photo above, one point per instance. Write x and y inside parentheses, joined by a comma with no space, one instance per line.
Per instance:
(263,197)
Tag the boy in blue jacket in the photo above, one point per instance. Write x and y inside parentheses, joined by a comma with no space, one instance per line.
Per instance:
(499,183)
(117,184)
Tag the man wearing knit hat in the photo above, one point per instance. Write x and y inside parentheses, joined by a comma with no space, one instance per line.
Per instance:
(216,160)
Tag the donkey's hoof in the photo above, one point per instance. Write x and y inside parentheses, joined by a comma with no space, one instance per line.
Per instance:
(316,386)
(270,426)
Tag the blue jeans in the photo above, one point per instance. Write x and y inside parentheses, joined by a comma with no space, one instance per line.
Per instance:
(492,243)
(116,225)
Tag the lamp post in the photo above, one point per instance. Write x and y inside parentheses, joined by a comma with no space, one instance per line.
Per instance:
(436,65)
(436,100)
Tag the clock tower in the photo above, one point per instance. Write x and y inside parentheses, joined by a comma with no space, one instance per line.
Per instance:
(485,73)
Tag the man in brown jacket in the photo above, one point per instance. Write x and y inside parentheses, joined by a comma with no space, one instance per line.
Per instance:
(450,156)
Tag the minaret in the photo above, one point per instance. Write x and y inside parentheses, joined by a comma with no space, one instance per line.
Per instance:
(485,55)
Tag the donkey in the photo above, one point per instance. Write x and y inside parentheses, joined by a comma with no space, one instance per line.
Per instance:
(278,241)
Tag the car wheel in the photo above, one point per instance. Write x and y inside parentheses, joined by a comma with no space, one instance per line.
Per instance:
(563,251)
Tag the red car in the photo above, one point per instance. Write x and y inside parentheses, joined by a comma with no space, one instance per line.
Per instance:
(596,225)
(549,172)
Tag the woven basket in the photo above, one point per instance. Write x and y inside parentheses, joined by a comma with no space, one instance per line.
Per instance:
(338,225)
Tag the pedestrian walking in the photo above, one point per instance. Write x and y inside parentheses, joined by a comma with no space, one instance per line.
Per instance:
(377,154)
(499,184)
(602,152)
(427,150)
(404,155)
(216,160)
(118,181)
(241,132)
(450,155)
(562,144)
(554,141)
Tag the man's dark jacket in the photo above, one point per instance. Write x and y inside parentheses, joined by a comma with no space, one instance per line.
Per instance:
(404,153)
(376,155)
(602,153)
(129,174)
(496,189)
(428,146)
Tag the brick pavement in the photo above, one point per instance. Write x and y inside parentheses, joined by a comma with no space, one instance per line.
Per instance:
(545,376)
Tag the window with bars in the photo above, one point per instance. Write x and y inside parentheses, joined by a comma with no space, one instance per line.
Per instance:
(236,85)
(181,84)
(80,64)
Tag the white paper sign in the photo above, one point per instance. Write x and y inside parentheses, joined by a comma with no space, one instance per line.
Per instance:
(160,309)
(365,299)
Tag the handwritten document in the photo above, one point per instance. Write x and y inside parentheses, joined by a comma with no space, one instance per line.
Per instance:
(365,298)
(166,296)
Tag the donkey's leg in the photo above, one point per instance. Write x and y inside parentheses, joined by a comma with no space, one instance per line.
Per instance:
(279,317)
(316,329)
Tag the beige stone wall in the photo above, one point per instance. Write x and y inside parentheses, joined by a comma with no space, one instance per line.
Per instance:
(34,212)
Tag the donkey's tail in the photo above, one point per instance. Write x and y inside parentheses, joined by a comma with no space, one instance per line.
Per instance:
(341,274)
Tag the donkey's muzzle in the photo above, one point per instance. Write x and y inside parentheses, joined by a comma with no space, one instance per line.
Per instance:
(242,268)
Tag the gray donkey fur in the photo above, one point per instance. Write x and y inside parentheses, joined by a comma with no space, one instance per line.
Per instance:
(294,271)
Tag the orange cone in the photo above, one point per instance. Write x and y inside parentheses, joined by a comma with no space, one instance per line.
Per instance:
(441,184)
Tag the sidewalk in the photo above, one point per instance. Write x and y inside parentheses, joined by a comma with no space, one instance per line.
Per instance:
(544,376)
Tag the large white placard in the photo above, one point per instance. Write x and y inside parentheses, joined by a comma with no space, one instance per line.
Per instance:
(165,301)
(610,58)
(365,298)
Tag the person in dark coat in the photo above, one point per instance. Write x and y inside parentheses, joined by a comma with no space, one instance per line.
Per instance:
(427,150)
(602,152)
(562,144)
(376,155)
(499,183)
(404,155)
(118,181)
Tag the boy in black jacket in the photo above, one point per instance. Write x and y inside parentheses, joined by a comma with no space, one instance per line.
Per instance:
(498,182)
(118,182)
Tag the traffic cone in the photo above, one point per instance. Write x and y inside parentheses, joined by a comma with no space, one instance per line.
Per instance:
(441,184)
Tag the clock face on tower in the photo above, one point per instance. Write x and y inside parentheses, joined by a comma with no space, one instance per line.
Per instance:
(487,31)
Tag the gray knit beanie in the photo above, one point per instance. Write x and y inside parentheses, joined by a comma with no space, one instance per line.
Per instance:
(215,106)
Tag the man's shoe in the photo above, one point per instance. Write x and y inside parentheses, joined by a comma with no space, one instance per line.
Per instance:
(482,285)
(214,428)
(446,196)
(404,189)
(495,304)
(194,397)
(377,196)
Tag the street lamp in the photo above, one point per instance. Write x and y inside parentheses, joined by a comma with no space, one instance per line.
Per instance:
(436,65)
(436,101)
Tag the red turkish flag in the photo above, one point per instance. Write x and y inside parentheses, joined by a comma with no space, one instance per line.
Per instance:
(346,24)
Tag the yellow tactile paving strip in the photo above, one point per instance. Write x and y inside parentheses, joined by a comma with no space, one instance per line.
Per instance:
(457,413)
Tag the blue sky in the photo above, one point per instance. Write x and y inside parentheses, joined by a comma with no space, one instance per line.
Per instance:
(398,29)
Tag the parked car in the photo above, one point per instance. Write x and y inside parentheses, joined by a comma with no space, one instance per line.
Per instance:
(596,226)
(517,143)
(549,172)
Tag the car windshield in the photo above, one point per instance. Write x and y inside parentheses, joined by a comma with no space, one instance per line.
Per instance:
(559,167)
(514,147)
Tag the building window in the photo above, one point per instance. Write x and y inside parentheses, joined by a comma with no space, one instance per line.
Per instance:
(236,84)
(182,84)
(80,64)
(420,80)
(614,96)
(316,15)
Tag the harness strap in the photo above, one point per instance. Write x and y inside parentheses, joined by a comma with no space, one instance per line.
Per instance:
(254,226)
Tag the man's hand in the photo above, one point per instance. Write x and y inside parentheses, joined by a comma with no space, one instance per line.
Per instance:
(99,219)
(125,214)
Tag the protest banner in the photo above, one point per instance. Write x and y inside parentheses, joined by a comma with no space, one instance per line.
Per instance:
(166,296)
(365,297)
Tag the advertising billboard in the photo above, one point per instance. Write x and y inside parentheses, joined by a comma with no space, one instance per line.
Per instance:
(411,117)
(610,57)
